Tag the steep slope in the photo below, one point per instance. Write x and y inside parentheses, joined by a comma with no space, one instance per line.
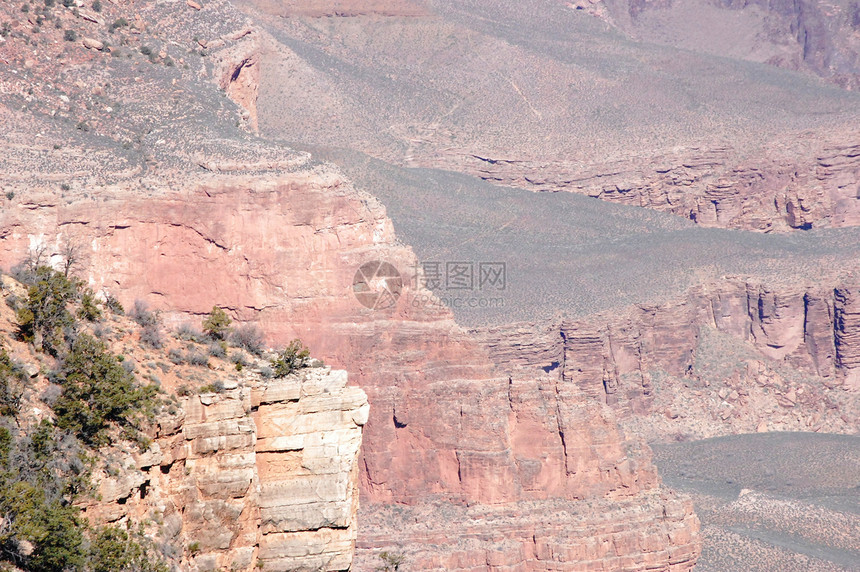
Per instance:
(819,37)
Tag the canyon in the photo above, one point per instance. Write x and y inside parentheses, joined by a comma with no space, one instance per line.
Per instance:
(271,159)
(440,428)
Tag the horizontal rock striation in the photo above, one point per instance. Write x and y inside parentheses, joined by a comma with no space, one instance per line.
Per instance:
(817,187)
(264,472)
(809,329)
(538,535)
(282,250)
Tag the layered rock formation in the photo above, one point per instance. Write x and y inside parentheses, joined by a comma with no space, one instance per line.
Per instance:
(570,106)
(444,425)
(263,473)
(785,329)
(192,213)
(549,481)
(539,535)
(713,187)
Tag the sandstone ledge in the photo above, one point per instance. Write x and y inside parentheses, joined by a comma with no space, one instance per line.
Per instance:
(265,473)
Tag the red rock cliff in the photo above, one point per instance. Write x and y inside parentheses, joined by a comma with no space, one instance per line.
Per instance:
(282,250)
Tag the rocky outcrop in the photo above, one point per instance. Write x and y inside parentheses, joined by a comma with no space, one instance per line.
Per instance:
(283,250)
(539,535)
(238,70)
(713,187)
(772,330)
(554,485)
(264,472)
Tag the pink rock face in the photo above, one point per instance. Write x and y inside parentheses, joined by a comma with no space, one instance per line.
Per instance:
(283,251)
(612,358)
(536,535)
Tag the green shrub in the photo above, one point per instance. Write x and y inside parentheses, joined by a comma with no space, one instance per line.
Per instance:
(70,35)
(98,392)
(294,356)
(116,550)
(44,315)
(217,323)
(114,306)
(39,474)
(89,311)
(11,385)
(50,526)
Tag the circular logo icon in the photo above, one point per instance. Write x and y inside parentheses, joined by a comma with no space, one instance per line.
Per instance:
(377,285)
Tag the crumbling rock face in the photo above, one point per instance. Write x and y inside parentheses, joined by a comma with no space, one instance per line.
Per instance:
(264,472)
(238,71)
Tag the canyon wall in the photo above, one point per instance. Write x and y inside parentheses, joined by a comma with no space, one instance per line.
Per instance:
(806,35)
(445,427)
(263,473)
(775,332)
(776,190)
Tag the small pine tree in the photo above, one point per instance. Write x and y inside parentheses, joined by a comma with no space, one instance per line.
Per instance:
(98,391)
(89,311)
(217,323)
(44,315)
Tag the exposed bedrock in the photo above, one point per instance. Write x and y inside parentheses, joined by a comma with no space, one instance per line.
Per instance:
(265,471)
(445,426)
(817,187)
(799,344)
